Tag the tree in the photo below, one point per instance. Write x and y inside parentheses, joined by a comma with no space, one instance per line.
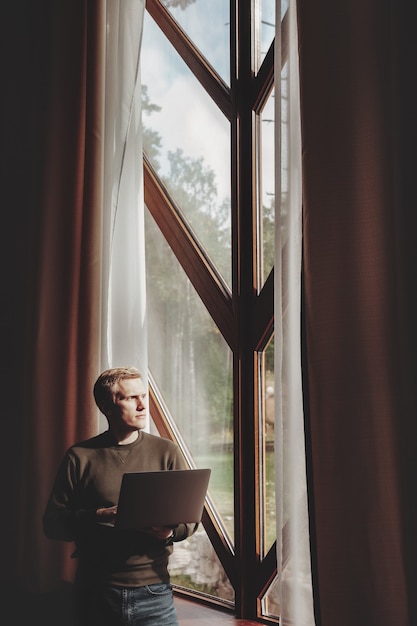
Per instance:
(183,4)
(180,328)
(151,139)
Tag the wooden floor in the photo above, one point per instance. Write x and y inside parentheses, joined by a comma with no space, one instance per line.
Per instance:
(191,613)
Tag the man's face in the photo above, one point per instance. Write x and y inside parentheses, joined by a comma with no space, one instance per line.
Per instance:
(129,408)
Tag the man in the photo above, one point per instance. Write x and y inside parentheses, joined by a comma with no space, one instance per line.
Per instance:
(122,576)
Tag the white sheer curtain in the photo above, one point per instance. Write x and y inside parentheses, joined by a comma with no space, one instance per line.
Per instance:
(123,331)
(293,552)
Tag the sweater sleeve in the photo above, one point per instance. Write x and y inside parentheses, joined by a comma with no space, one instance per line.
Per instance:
(61,520)
(182,531)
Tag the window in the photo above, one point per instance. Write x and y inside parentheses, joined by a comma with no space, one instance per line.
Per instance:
(208,117)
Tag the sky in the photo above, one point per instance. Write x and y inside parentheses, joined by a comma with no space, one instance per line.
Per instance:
(201,129)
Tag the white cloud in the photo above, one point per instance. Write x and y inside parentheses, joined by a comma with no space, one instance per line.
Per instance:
(190,121)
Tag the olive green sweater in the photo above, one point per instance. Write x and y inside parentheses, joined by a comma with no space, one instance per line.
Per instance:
(89,478)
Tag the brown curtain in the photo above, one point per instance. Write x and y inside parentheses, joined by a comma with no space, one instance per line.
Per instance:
(357,66)
(53,108)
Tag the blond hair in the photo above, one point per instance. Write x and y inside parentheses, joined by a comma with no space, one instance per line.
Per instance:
(105,384)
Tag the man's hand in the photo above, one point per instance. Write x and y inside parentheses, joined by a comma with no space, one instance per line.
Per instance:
(106,515)
(160,532)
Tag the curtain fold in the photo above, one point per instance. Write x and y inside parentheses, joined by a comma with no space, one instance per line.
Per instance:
(64,300)
(359,339)
(87,305)
(293,549)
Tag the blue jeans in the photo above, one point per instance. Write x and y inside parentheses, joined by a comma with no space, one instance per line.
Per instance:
(152,605)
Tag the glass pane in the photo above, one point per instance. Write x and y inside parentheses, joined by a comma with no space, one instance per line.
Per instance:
(195,565)
(187,139)
(267,417)
(298,580)
(284,8)
(207,24)
(267,26)
(266,200)
(270,601)
(192,366)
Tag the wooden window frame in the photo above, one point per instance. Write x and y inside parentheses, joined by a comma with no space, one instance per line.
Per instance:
(243,315)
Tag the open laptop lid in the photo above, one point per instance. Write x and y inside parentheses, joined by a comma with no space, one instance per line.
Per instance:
(161,498)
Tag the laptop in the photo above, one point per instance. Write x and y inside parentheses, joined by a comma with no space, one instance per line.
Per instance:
(161,498)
